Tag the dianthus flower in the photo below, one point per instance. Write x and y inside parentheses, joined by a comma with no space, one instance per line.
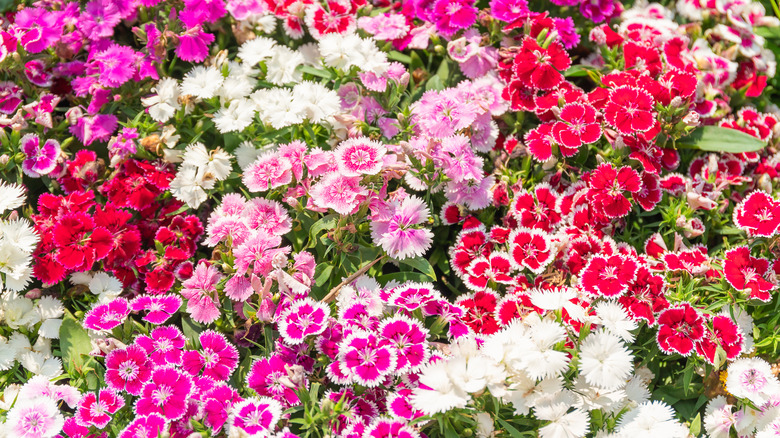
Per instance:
(540,68)
(127,369)
(630,110)
(148,425)
(40,160)
(338,192)
(607,188)
(679,327)
(107,316)
(200,291)
(216,358)
(255,416)
(160,307)
(165,394)
(395,228)
(116,64)
(37,418)
(303,318)
(745,272)
(96,409)
(608,276)
(163,345)
(758,214)
(364,358)
(359,156)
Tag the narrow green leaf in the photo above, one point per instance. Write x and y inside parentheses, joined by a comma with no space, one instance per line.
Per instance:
(718,139)
(325,223)
(509,428)
(421,265)
(696,425)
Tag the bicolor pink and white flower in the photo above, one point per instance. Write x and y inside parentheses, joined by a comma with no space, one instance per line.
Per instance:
(107,316)
(216,358)
(304,318)
(39,159)
(531,249)
(255,417)
(165,394)
(364,358)
(127,369)
(359,156)
(159,307)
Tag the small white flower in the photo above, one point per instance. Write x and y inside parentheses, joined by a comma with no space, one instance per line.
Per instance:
(283,66)
(653,418)
(236,116)
(615,319)
(189,188)
(163,105)
(752,378)
(236,87)
(105,286)
(216,162)
(12,196)
(246,154)
(202,82)
(277,107)
(256,50)
(317,101)
(605,361)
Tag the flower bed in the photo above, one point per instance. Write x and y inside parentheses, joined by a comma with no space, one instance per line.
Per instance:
(447,218)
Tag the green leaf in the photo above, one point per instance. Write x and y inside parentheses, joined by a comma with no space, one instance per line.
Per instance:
(421,265)
(509,428)
(325,223)
(718,139)
(74,342)
(190,328)
(402,277)
(577,71)
(696,425)
(315,72)
(434,83)
(400,57)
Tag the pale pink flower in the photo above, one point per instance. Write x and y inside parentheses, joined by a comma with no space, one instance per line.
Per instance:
(340,193)
(396,227)
(37,418)
(200,291)
(360,156)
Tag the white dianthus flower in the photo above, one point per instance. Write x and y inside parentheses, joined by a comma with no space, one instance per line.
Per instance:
(163,105)
(752,378)
(283,66)
(202,82)
(615,319)
(12,196)
(256,50)
(605,361)
(236,116)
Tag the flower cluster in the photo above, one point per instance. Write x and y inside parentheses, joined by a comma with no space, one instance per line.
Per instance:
(267,218)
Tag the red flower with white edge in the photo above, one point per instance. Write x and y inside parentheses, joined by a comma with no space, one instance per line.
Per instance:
(679,328)
(630,110)
(531,249)
(758,214)
(336,18)
(480,311)
(80,244)
(578,126)
(540,142)
(540,210)
(746,273)
(607,189)
(650,194)
(497,268)
(608,276)
(469,246)
(646,296)
(725,333)
(512,307)
(694,261)
(541,68)
(643,57)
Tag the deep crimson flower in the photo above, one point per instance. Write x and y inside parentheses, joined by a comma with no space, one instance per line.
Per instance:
(578,126)
(138,183)
(540,68)
(531,249)
(643,57)
(725,333)
(745,272)
(79,243)
(81,172)
(630,110)
(758,214)
(679,327)
(608,276)
(607,188)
